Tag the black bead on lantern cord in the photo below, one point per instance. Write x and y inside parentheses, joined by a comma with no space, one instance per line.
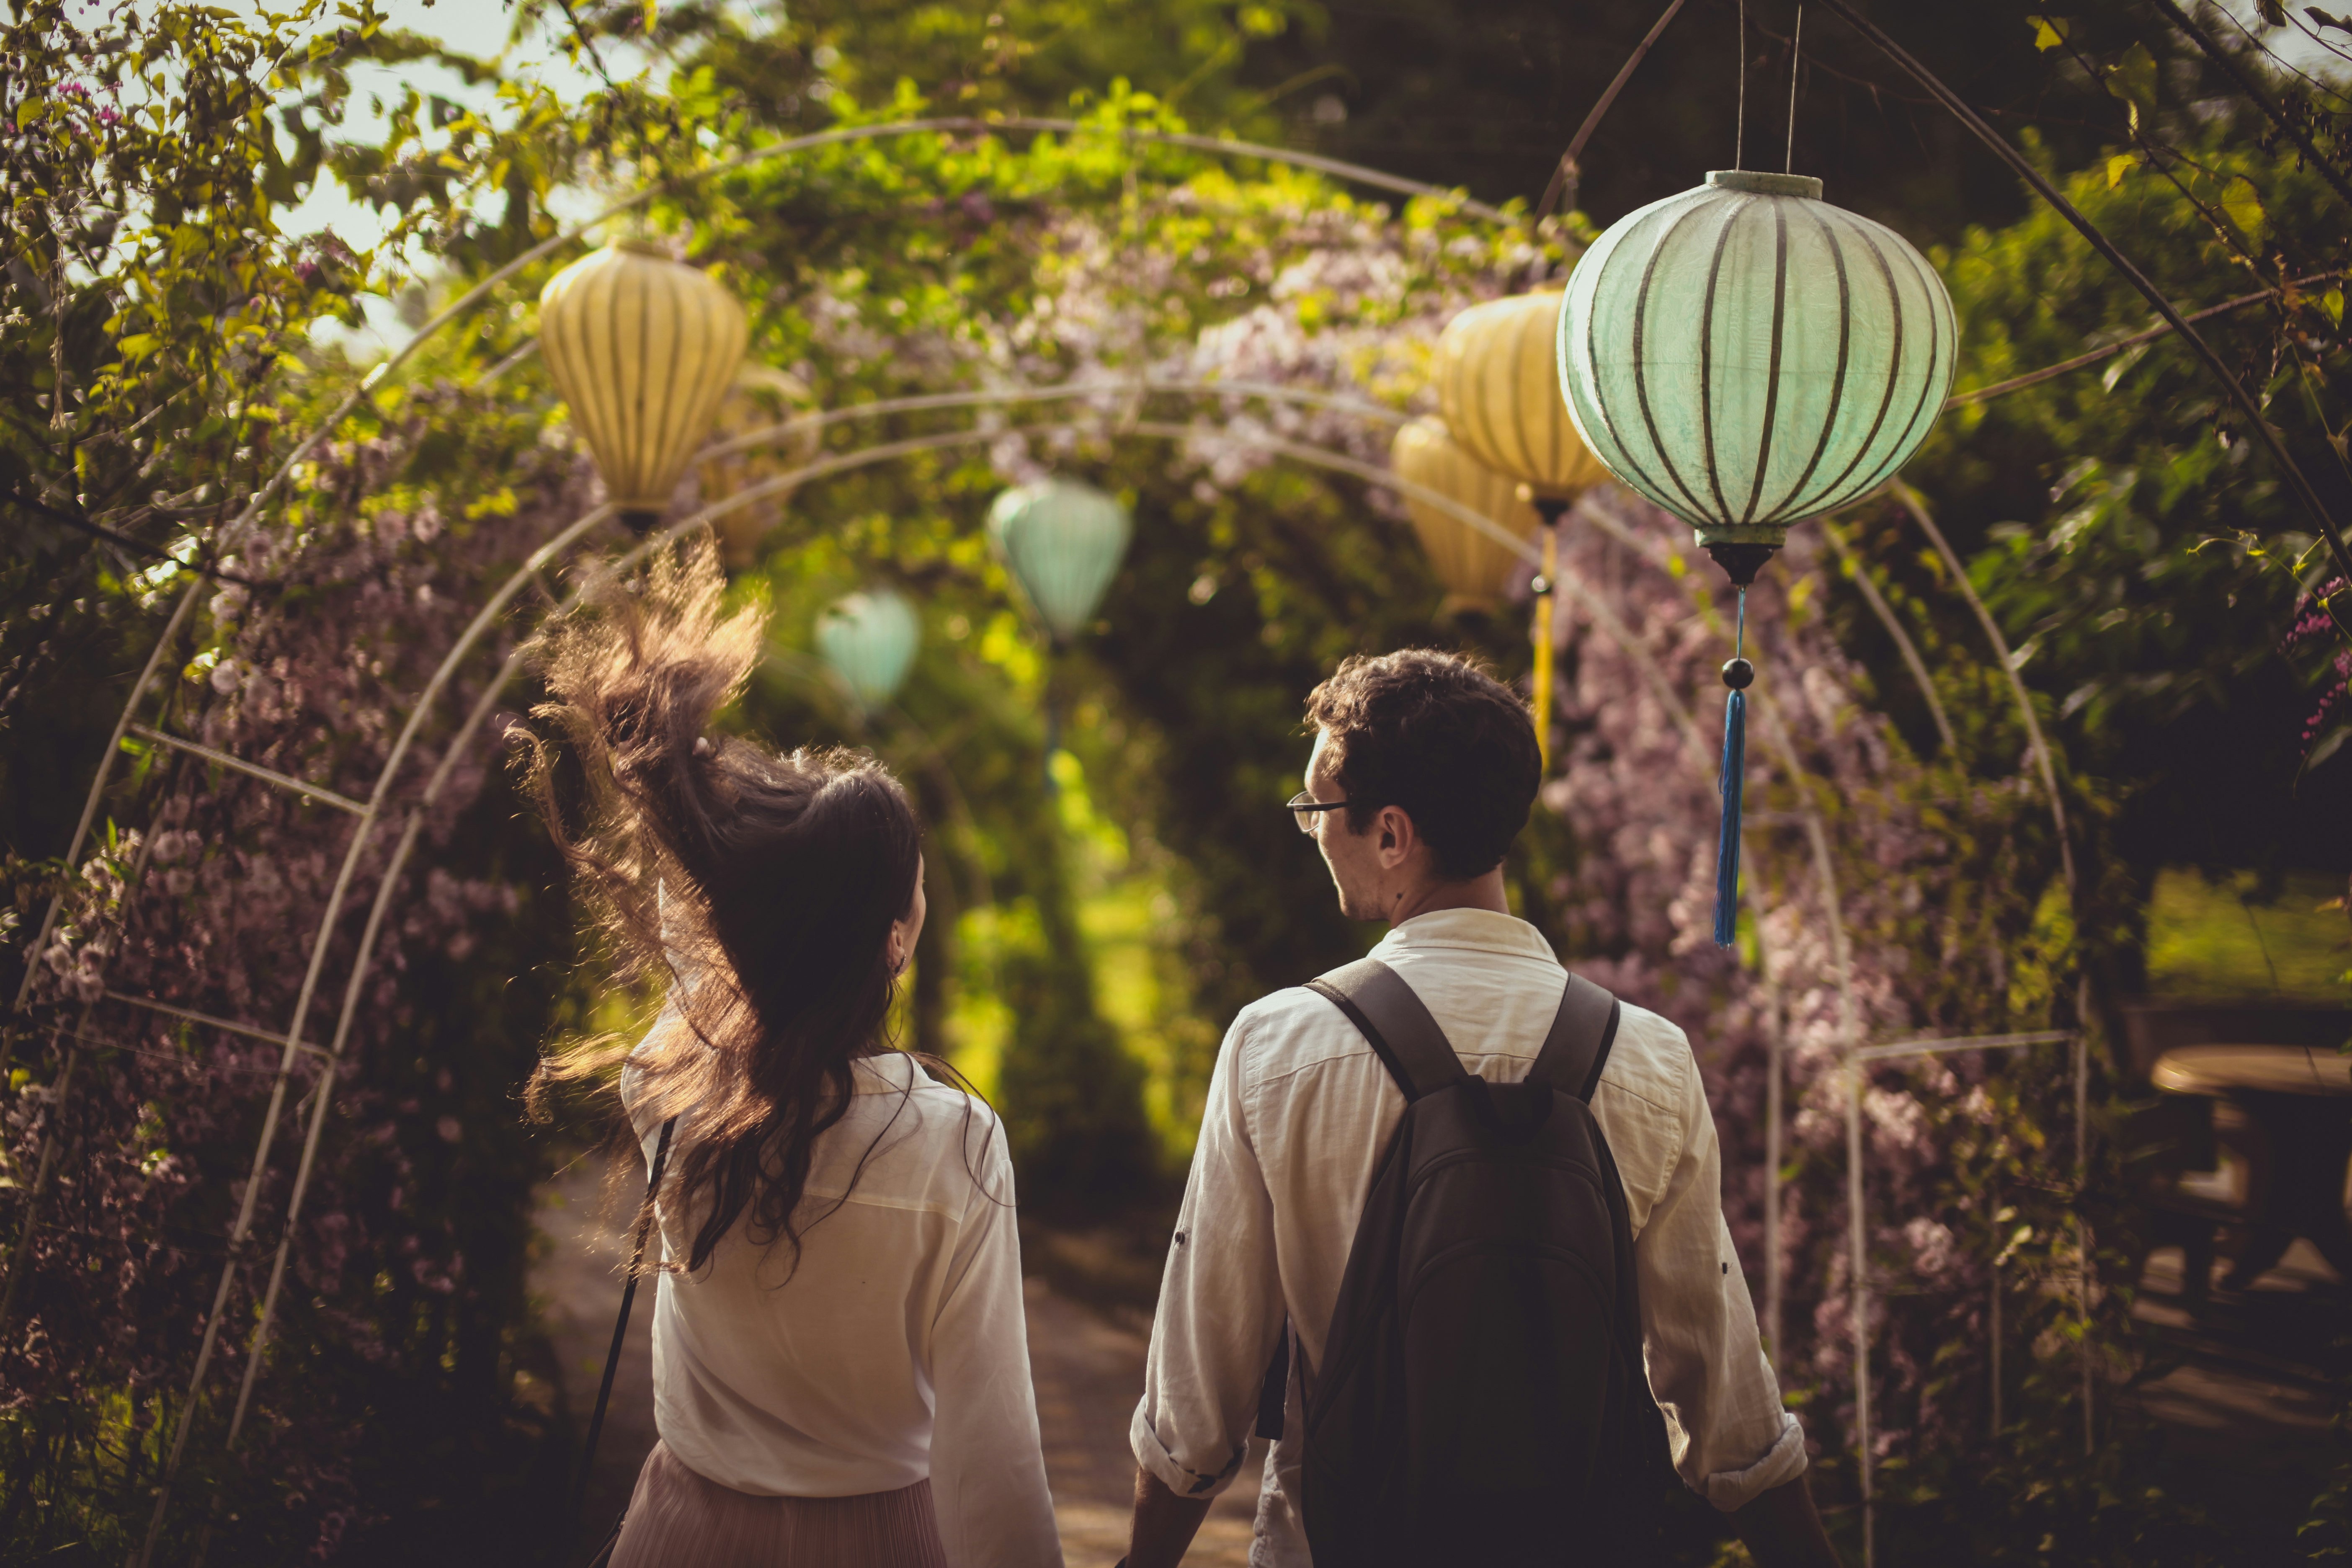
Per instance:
(1551,508)
(1737,673)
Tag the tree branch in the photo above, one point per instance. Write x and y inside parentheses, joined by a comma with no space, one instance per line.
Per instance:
(1564,177)
(124,542)
(2051,372)
(2256,91)
(2296,480)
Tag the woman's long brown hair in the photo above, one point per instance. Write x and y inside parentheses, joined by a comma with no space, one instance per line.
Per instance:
(763,884)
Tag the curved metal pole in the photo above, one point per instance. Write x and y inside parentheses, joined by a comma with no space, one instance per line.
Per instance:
(2296,480)
(1566,175)
(485,704)
(1652,674)
(482,621)
(105,774)
(2253,88)
(357,847)
(804,424)
(1850,1027)
(1227,146)
(1903,643)
(1908,499)
(53,1135)
(1470,517)
(2121,345)
(21,1252)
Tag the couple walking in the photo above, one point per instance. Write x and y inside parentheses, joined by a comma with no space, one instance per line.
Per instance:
(1453,1235)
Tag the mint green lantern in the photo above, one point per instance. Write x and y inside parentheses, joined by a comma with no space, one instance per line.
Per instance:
(1746,355)
(870,640)
(1063,541)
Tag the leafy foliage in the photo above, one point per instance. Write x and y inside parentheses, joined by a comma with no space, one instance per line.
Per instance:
(1192,332)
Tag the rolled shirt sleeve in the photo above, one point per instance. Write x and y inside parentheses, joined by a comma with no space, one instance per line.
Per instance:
(1732,1439)
(1299,1109)
(988,1469)
(1221,1304)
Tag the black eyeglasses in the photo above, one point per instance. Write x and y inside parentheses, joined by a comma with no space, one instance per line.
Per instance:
(1304,807)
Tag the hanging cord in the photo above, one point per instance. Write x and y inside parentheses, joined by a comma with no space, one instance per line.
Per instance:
(1739,137)
(1541,588)
(1737,674)
(1796,62)
(620,1333)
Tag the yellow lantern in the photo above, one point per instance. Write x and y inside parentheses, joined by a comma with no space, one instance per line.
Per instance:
(1470,564)
(761,398)
(1498,390)
(1499,393)
(643,348)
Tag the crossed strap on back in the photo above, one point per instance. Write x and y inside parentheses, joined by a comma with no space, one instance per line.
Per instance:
(1418,1056)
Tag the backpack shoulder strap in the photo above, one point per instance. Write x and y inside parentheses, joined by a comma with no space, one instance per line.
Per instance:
(1394,1023)
(1581,1034)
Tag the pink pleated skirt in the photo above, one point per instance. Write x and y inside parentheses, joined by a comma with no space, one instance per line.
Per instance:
(678,1520)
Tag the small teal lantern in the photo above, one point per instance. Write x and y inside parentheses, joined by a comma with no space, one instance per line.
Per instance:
(870,640)
(1746,355)
(1062,541)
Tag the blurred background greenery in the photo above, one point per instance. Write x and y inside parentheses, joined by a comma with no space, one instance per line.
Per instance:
(1090,942)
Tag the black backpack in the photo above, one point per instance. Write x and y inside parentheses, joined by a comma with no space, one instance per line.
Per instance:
(1481,1398)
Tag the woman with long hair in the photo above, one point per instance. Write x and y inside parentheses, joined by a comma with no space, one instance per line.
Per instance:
(841,1370)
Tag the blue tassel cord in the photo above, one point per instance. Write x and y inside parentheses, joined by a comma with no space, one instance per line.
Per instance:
(1737,673)
(1727,850)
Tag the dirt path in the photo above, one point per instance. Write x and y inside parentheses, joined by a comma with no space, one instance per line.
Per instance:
(1088,1373)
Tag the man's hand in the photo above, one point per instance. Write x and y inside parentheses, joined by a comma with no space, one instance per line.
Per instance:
(1164,1523)
(1783,1529)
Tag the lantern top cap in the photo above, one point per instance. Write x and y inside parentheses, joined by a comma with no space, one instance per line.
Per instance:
(650,248)
(1758,183)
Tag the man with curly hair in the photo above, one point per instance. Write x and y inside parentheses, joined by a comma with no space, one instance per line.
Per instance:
(1424,769)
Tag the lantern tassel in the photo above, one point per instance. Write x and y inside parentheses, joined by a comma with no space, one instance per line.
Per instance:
(1543,637)
(1727,850)
(1731,783)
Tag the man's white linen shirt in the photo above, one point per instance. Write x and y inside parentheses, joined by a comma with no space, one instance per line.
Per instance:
(1300,1112)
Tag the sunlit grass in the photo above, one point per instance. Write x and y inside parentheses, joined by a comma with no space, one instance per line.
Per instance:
(2211,939)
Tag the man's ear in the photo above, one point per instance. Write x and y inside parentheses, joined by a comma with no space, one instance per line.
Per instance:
(1397,836)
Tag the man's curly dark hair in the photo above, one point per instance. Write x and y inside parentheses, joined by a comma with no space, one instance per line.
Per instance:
(1435,734)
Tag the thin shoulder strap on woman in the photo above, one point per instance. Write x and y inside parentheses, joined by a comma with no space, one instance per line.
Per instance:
(620,1329)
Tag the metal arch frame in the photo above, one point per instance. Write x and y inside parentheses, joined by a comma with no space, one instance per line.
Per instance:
(1850,1030)
(373,812)
(1858,1257)
(1849,1024)
(1224,146)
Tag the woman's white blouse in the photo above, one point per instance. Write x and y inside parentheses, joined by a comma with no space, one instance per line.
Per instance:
(895,1351)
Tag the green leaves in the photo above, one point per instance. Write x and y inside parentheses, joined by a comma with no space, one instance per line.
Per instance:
(2244,203)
